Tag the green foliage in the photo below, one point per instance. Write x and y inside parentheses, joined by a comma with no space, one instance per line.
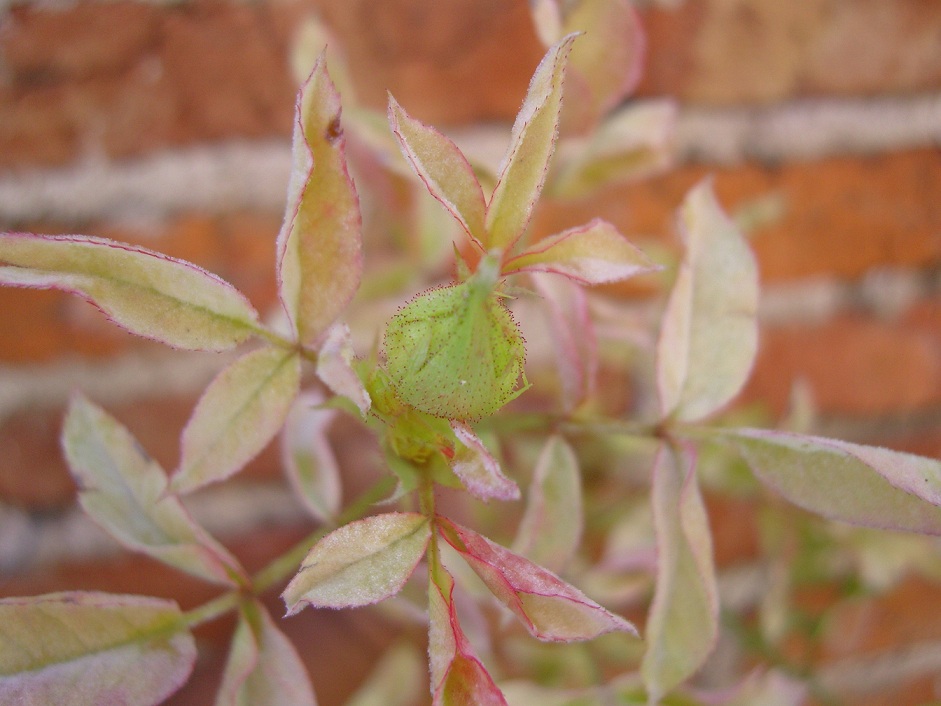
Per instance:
(611,503)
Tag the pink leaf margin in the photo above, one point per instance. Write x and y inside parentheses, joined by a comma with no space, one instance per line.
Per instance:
(513,578)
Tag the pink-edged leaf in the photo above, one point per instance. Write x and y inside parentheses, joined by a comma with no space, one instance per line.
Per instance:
(308,457)
(335,369)
(523,169)
(551,528)
(864,485)
(242,410)
(90,649)
(574,342)
(360,563)
(684,617)
(458,678)
(477,469)
(550,608)
(594,253)
(443,168)
(125,492)
(635,142)
(709,334)
(320,257)
(263,666)
(606,63)
(171,301)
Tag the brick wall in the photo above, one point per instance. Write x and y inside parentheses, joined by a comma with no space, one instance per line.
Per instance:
(167,124)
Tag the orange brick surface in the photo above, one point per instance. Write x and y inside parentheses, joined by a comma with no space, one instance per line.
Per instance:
(126,78)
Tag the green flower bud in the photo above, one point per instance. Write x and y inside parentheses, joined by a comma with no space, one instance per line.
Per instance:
(456,351)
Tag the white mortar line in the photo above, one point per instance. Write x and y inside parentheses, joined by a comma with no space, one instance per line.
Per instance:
(227,511)
(230,176)
(110,380)
(237,175)
(810,129)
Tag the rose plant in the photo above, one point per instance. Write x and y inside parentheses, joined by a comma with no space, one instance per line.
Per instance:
(446,395)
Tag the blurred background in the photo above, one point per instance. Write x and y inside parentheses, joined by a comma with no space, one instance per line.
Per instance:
(167,124)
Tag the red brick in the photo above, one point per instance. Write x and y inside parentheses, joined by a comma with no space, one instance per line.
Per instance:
(731,52)
(211,69)
(160,77)
(842,215)
(449,62)
(855,365)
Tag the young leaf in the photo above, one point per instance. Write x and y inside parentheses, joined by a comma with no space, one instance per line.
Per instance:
(308,458)
(398,679)
(594,253)
(457,676)
(360,563)
(864,485)
(150,294)
(478,470)
(334,367)
(240,412)
(684,616)
(263,666)
(606,64)
(443,168)
(574,342)
(125,492)
(709,334)
(455,352)
(547,20)
(550,609)
(89,649)
(523,169)
(551,528)
(634,142)
(320,244)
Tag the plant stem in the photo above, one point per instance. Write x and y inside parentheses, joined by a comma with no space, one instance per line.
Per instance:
(282,566)
(212,609)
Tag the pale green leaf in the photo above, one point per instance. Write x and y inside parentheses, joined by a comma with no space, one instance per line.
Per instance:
(308,457)
(263,666)
(360,563)
(571,336)
(125,491)
(398,680)
(90,649)
(477,468)
(443,169)
(547,20)
(594,253)
(320,244)
(636,141)
(864,485)
(606,63)
(523,169)
(335,367)
(770,688)
(551,528)
(684,617)
(240,412)
(456,352)
(709,334)
(548,607)
(150,294)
